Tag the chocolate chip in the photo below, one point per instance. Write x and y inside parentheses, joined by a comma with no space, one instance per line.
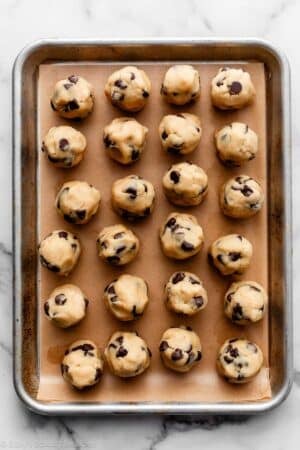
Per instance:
(227,359)
(44,148)
(240,376)
(237,312)
(46,308)
(70,219)
(120,249)
(234,353)
(111,345)
(163,346)
(73,79)
(174,150)
(234,256)
(235,88)
(198,301)
(252,347)
(246,191)
(52,106)
(121,84)
(145,94)
(113,299)
(254,205)
(67,86)
(239,237)
(246,128)
(67,352)
(71,106)
(107,141)
(175,176)
(135,154)
(81,214)
(132,191)
(111,289)
(63,234)
(164,135)
(86,301)
(60,299)
(229,297)
(219,83)
(120,339)
(64,368)
(177,354)
(98,374)
(134,312)
(48,265)
(199,356)
(191,358)
(171,222)
(113,259)
(187,246)
(132,76)
(254,288)
(188,328)
(149,352)
(86,348)
(194,281)
(179,276)
(233,340)
(63,144)
(121,352)
(147,211)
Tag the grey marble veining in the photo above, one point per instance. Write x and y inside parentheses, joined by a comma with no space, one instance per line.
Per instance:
(22,21)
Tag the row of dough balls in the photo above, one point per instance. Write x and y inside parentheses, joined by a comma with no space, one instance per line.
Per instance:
(125,138)
(185,184)
(129,88)
(127,298)
(181,237)
(128,355)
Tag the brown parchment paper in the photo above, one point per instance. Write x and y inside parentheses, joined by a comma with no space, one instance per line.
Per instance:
(91,274)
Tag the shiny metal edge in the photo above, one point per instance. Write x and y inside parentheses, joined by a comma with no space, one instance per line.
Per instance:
(149,408)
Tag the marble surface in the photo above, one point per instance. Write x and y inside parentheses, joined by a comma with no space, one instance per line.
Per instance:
(24,21)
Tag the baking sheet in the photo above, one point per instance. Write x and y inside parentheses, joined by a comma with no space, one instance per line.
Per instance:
(91,274)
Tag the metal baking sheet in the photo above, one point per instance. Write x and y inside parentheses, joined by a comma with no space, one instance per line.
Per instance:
(25,83)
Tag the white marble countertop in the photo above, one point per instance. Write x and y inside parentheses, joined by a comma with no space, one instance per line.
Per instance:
(23,21)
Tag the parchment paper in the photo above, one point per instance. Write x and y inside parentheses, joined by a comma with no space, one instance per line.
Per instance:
(157,384)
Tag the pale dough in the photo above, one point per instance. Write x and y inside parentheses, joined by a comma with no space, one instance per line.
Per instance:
(181,84)
(59,252)
(180,133)
(127,297)
(127,354)
(64,146)
(117,245)
(231,254)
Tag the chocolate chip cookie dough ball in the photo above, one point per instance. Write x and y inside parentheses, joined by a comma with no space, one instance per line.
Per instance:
(64,146)
(73,98)
(239,360)
(66,306)
(127,354)
(181,85)
(180,349)
(185,184)
(133,197)
(181,236)
(82,365)
(232,89)
(128,88)
(77,202)
(185,293)
(231,254)
(117,245)
(245,302)
(236,143)
(241,197)
(180,133)
(127,297)
(124,139)
(59,252)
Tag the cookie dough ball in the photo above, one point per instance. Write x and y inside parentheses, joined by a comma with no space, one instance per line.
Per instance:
(77,201)
(133,197)
(66,306)
(231,254)
(232,89)
(180,349)
(185,293)
(64,146)
(180,133)
(117,245)
(124,139)
(127,297)
(127,354)
(241,197)
(181,85)
(82,365)
(181,236)
(185,184)
(59,252)
(239,360)
(236,143)
(245,302)
(73,98)
(128,88)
